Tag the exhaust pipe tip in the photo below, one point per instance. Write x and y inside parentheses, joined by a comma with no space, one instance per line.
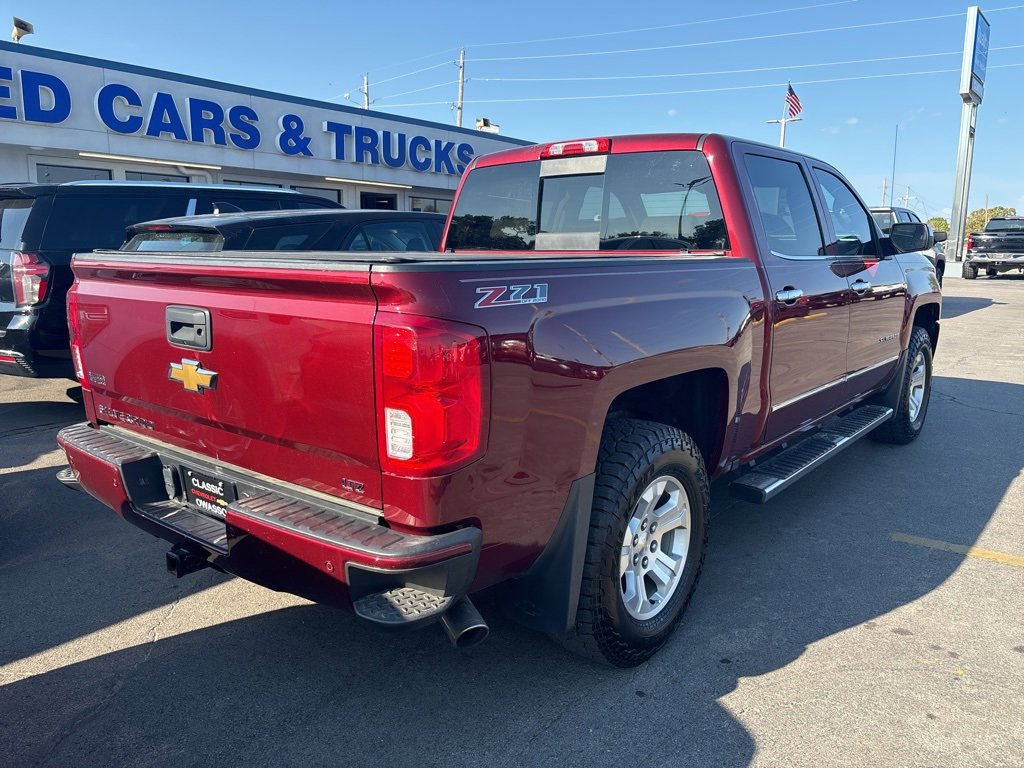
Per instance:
(464,625)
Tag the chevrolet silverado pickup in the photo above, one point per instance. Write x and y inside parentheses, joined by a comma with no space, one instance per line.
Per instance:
(613,324)
(999,248)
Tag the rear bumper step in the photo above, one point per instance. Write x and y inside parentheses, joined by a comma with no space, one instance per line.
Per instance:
(765,481)
(392,578)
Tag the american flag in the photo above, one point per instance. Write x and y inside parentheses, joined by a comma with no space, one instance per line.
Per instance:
(793,102)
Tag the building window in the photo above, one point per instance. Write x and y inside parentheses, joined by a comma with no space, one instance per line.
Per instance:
(251,183)
(143,176)
(334,195)
(378,201)
(430,204)
(58,174)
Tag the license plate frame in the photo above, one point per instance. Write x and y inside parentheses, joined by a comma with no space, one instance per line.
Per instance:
(208,493)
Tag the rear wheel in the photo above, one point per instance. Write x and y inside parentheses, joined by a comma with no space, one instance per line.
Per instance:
(648,532)
(970,272)
(908,421)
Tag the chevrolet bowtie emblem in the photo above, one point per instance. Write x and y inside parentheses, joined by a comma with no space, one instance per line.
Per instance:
(192,376)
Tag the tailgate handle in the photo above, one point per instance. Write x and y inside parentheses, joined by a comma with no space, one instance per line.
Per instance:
(189,327)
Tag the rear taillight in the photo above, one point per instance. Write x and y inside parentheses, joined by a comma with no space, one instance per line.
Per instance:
(31,275)
(970,242)
(432,393)
(580,147)
(75,334)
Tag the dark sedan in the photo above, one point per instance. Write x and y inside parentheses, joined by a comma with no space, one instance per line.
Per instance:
(326,230)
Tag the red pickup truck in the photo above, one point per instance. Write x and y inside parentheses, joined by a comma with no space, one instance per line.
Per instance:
(613,324)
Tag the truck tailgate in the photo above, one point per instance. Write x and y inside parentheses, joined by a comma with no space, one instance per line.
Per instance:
(286,386)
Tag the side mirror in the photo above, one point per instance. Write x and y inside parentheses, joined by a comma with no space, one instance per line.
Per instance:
(940,237)
(908,237)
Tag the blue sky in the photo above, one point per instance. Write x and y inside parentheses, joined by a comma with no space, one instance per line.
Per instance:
(321,49)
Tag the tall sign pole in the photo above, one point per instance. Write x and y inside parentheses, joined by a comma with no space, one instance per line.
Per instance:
(972,90)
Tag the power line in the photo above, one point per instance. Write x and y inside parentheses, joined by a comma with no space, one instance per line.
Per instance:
(701,90)
(725,71)
(663,26)
(393,65)
(702,43)
(420,90)
(398,77)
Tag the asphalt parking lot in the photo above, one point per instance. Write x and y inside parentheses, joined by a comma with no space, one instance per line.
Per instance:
(871,615)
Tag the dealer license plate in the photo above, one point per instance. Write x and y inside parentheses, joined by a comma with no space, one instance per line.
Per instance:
(208,494)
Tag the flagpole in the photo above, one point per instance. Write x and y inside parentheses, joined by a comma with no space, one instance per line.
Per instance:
(783,120)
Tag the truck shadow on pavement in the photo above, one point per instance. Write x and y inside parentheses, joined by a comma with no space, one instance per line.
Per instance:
(309,685)
(955,306)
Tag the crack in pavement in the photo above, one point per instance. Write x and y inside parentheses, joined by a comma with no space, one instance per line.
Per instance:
(120,679)
(953,399)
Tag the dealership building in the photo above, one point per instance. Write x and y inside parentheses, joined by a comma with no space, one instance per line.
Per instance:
(65,117)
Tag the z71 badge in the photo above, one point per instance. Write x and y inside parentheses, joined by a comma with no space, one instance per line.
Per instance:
(507,295)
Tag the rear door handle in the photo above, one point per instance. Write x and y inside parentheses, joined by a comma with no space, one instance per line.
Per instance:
(788,295)
(861,287)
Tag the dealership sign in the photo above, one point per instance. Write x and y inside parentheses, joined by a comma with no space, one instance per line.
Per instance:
(110,107)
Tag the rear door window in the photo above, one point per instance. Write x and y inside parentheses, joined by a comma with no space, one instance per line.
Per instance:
(395,236)
(14,213)
(305,236)
(786,207)
(85,222)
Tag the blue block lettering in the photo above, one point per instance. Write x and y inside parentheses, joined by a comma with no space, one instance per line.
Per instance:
(443,156)
(107,97)
(7,112)
(206,116)
(465,154)
(32,86)
(340,131)
(366,144)
(416,143)
(164,118)
(243,119)
(396,160)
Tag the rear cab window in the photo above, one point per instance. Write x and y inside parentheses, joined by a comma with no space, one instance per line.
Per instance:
(176,242)
(86,222)
(664,200)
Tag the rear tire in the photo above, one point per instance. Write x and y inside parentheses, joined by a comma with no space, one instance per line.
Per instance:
(940,270)
(991,272)
(970,272)
(908,421)
(638,577)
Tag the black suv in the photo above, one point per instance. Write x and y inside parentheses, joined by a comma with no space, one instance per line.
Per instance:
(362,230)
(42,225)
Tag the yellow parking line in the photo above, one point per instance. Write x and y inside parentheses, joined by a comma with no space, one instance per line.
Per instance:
(1003,558)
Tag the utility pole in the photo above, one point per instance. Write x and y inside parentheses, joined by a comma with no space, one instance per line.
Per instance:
(885,188)
(462,87)
(906,197)
(366,91)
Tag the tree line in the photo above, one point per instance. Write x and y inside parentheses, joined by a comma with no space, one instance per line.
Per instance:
(976,220)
